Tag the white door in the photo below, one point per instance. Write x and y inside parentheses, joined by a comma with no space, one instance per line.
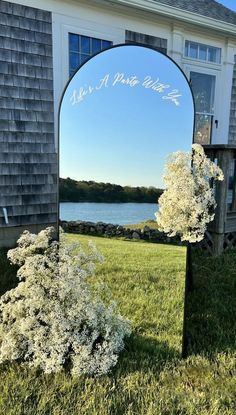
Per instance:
(204,87)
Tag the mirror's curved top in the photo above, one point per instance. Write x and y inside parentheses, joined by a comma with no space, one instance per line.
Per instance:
(121,114)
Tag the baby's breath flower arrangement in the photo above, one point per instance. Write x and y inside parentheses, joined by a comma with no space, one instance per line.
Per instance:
(187,205)
(53,318)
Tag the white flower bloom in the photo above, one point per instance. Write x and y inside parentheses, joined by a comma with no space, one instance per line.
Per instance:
(187,205)
(53,318)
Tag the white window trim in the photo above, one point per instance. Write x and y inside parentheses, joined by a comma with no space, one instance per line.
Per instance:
(205,40)
(62,26)
(207,62)
(66,29)
(201,63)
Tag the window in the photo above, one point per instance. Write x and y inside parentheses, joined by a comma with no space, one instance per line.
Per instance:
(202,52)
(82,47)
(203,87)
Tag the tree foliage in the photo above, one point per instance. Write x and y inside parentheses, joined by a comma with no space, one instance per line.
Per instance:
(89,191)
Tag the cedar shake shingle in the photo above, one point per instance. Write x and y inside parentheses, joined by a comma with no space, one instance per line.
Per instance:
(28,163)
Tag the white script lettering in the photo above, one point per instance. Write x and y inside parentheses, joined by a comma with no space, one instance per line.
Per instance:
(172,96)
(103,82)
(78,97)
(155,85)
(131,81)
(120,78)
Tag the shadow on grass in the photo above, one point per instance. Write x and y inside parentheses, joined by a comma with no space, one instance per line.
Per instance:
(8,278)
(144,354)
(211,306)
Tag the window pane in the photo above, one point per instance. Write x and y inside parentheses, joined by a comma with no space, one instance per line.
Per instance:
(82,47)
(203,87)
(193,53)
(186,47)
(73,42)
(105,44)
(74,61)
(203,52)
(85,44)
(203,125)
(83,58)
(212,54)
(96,45)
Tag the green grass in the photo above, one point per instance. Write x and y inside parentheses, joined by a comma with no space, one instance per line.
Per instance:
(147,290)
(146,280)
(211,307)
(151,223)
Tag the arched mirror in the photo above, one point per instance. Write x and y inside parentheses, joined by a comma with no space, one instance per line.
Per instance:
(122,113)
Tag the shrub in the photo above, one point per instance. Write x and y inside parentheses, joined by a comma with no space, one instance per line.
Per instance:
(53,319)
(187,205)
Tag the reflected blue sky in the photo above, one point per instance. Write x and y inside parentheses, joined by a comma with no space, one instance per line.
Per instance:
(123,112)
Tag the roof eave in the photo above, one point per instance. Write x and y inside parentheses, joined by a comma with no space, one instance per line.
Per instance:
(179,14)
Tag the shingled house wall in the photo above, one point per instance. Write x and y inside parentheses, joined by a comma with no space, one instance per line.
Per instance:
(232,120)
(156,42)
(28,162)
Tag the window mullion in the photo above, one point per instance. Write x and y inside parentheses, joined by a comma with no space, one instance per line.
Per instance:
(216,56)
(76,48)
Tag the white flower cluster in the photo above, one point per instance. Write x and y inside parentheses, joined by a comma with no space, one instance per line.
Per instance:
(53,318)
(187,205)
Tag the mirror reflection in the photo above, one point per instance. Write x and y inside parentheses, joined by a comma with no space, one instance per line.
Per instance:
(122,114)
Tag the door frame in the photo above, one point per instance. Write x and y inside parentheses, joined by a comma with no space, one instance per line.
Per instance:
(217,73)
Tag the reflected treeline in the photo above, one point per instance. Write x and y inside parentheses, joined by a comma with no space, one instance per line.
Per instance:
(89,191)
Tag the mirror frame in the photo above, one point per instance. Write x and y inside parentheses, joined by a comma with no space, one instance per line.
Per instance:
(188,271)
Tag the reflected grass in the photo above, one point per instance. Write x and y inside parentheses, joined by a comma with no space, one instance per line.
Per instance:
(148,289)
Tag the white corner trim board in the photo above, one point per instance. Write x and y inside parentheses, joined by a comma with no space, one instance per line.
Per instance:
(5,215)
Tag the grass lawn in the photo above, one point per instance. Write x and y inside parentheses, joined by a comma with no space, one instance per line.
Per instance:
(146,280)
(151,223)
